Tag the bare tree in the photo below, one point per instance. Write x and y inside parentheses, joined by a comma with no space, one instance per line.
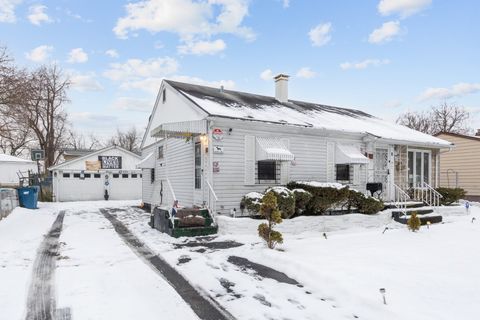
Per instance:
(129,140)
(78,141)
(442,118)
(41,109)
(15,136)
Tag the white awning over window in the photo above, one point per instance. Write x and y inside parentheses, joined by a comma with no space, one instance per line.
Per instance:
(349,154)
(181,129)
(147,163)
(272,149)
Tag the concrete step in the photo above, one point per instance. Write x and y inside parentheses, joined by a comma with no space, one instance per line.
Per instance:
(423,219)
(409,211)
(409,204)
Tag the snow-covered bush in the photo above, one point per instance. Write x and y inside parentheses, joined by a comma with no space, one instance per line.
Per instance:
(269,210)
(451,195)
(325,196)
(251,202)
(285,200)
(362,203)
(302,198)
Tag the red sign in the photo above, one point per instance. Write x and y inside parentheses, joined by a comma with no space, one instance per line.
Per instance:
(217,134)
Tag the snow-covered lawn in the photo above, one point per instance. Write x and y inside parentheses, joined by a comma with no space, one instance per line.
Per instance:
(431,274)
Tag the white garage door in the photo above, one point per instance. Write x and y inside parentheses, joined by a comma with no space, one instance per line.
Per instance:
(77,186)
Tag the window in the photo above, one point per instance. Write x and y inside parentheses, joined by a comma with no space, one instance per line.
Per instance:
(160,152)
(87,175)
(141,175)
(124,175)
(96,175)
(115,175)
(134,175)
(164,96)
(267,170)
(198,165)
(152,175)
(76,175)
(66,175)
(343,172)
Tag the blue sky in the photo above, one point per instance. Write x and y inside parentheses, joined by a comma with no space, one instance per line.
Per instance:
(382,56)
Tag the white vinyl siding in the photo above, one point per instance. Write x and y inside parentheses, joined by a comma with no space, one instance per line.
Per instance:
(249,165)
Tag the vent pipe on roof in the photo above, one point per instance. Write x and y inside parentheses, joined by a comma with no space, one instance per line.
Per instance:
(281,87)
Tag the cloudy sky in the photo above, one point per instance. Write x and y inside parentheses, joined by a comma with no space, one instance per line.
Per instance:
(382,56)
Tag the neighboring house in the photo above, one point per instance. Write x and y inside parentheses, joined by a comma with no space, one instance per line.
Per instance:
(210,146)
(460,167)
(110,170)
(11,167)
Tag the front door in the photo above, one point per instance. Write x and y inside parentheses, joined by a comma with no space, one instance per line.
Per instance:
(381,170)
(198,174)
(419,167)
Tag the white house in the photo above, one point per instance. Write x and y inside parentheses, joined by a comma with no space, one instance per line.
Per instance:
(210,146)
(109,173)
(9,168)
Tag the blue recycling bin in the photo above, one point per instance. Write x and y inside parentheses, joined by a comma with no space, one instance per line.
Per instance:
(28,197)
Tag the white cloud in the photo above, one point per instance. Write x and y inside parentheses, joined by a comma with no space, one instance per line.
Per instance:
(77,55)
(457,90)
(202,47)
(85,82)
(132,104)
(266,75)
(186,18)
(37,15)
(39,54)
(112,53)
(385,33)
(7,10)
(306,73)
(320,35)
(404,8)
(286,3)
(364,64)
(136,69)
(89,117)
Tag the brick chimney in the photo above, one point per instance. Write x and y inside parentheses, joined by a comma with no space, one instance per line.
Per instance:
(281,87)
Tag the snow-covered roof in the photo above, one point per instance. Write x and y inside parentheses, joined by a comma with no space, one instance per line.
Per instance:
(9,158)
(246,106)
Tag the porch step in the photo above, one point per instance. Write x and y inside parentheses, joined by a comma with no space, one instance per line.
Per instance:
(423,219)
(409,211)
(409,204)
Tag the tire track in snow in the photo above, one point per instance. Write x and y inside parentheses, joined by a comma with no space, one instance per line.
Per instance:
(204,306)
(41,295)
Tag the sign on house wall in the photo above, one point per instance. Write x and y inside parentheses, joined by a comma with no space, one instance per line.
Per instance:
(110,162)
(217,134)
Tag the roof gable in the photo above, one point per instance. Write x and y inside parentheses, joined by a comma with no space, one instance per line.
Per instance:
(93,154)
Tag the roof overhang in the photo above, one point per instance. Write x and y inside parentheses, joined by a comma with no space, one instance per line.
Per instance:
(148,162)
(349,154)
(272,149)
(181,129)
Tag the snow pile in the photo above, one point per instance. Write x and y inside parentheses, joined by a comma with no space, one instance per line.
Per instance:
(317,184)
(282,191)
(9,158)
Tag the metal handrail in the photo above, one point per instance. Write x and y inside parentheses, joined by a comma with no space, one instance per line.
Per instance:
(171,189)
(212,205)
(401,199)
(431,196)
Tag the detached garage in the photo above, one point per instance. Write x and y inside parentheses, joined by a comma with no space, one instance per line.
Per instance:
(107,174)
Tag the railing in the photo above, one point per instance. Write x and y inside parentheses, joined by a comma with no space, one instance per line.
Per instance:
(427,194)
(212,199)
(174,198)
(401,199)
